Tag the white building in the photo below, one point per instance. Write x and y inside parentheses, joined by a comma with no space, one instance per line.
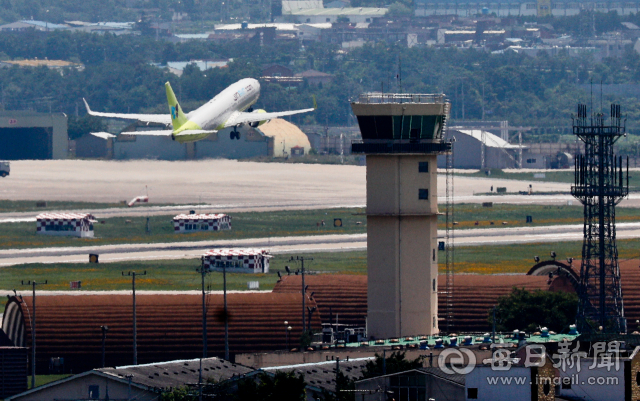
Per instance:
(190,223)
(65,224)
(238,260)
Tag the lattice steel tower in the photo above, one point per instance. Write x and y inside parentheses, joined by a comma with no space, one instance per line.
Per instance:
(600,185)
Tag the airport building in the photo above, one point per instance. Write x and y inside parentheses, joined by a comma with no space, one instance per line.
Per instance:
(275,138)
(402,134)
(65,224)
(27,135)
(237,260)
(191,223)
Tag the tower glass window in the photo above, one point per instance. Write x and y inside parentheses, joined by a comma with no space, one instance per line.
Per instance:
(423,193)
(423,167)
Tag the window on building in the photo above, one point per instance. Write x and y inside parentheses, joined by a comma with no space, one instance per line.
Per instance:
(94,392)
(328,20)
(434,255)
(423,167)
(204,226)
(309,19)
(434,284)
(423,193)
(531,161)
(472,393)
(531,6)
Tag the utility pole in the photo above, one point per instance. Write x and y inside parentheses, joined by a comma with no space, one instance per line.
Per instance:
(203,272)
(104,339)
(135,328)
(33,285)
(226,313)
(301,259)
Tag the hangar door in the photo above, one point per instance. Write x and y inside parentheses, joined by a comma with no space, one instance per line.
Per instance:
(34,143)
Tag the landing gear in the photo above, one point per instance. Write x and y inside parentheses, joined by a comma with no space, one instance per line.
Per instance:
(234,134)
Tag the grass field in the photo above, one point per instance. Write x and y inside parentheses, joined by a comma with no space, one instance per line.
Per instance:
(181,274)
(550,176)
(119,230)
(7,206)
(131,230)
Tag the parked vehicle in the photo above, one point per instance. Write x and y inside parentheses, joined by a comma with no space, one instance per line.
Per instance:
(5,168)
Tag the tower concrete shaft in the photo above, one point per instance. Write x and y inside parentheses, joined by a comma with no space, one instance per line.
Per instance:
(401,137)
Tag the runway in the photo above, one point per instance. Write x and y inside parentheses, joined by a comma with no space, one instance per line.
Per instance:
(302,244)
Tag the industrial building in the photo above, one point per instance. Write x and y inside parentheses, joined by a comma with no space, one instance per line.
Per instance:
(65,224)
(27,135)
(191,223)
(275,138)
(237,260)
(169,327)
(402,134)
(478,149)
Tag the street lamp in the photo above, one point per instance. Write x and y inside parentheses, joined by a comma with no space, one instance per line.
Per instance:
(104,339)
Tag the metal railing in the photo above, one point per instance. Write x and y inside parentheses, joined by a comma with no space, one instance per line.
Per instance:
(379,97)
(395,147)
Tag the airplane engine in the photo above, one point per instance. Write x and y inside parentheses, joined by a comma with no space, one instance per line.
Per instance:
(258,123)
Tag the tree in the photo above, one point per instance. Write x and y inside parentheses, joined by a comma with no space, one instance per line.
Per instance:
(395,363)
(78,127)
(527,310)
(281,386)
(398,9)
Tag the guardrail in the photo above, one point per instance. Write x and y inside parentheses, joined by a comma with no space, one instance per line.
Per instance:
(378,97)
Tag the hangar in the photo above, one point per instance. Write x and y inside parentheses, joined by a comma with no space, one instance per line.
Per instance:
(27,135)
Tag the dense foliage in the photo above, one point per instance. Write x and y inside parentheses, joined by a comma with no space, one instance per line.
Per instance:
(394,363)
(531,310)
(119,76)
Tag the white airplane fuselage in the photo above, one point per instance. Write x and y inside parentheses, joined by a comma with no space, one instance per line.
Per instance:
(212,116)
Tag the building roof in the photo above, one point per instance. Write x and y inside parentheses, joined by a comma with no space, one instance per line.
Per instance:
(165,375)
(312,74)
(199,216)
(491,140)
(65,216)
(40,63)
(346,11)
(285,135)
(169,326)
(288,6)
(236,252)
(322,375)
(45,24)
(431,371)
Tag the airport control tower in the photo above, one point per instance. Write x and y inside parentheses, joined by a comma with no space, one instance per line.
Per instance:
(402,134)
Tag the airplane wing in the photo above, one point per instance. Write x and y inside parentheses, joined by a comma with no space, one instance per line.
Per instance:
(245,118)
(166,132)
(148,118)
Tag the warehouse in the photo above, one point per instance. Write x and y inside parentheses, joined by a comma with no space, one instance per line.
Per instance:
(478,149)
(190,223)
(27,135)
(65,224)
(169,327)
(238,260)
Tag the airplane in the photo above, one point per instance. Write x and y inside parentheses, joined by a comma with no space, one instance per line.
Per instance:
(227,109)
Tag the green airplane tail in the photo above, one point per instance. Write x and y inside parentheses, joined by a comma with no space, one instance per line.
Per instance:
(178,118)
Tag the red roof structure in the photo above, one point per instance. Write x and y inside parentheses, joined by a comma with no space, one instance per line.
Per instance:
(169,326)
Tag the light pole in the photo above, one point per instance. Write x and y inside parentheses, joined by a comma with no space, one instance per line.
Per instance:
(202,272)
(33,284)
(226,313)
(301,259)
(135,326)
(104,339)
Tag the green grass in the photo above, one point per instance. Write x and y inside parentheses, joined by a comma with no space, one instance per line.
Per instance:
(170,274)
(131,230)
(44,379)
(550,176)
(119,230)
(9,206)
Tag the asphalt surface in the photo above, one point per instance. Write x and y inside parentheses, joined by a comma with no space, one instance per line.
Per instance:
(306,244)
